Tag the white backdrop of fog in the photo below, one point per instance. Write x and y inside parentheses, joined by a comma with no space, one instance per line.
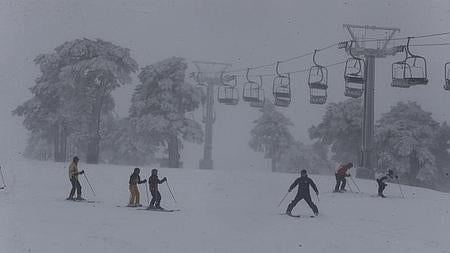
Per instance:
(243,33)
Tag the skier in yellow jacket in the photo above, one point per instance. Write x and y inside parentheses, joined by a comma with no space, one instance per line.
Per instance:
(135,179)
(73,176)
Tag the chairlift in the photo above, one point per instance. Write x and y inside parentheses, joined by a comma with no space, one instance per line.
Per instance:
(253,92)
(317,82)
(227,93)
(447,76)
(281,88)
(409,72)
(262,97)
(354,75)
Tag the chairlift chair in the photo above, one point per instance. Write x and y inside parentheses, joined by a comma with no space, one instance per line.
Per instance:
(411,71)
(317,82)
(447,76)
(227,93)
(281,88)
(261,96)
(250,90)
(354,75)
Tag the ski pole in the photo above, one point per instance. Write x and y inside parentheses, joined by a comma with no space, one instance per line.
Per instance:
(357,187)
(350,188)
(171,192)
(84,174)
(285,195)
(3,179)
(403,196)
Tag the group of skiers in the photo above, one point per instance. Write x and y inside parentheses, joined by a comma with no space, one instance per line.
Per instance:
(153,182)
(303,183)
(135,179)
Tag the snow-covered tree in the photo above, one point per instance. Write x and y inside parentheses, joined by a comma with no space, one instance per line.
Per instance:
(94,68)
(410,141)
(74,90)
(300,156)
(121,144)
(47,114)
(159,106)
(271,134)
(341,128)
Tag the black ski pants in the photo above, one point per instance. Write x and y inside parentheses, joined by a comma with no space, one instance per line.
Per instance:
(156,198)
(308,200)
(339,180)
(381,187)
(75,186)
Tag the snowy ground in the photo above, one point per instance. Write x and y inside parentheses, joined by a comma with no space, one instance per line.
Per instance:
(221,212)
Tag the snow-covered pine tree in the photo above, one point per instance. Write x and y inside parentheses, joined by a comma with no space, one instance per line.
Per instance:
(271,134)
(410,141)
(341,129)
(159,106)
(74,90)
(94,68)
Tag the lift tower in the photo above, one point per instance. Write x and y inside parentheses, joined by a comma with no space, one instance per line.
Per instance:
(370,42)
(209,75)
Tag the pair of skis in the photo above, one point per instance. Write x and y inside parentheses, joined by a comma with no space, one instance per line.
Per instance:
(297,215)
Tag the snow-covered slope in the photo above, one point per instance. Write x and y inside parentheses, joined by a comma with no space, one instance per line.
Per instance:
(221,212)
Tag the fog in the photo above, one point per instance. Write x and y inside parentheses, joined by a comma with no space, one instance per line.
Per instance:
(242,33)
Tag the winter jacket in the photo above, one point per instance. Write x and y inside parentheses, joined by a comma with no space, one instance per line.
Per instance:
(387,178)
(303,183)
(153,182)
(73,170)
(135,179)
(342,171)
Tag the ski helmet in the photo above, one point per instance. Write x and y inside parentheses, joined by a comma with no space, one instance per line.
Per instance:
(76,159)
(154,172)
(390,172)
(137,170)
(350,165)
(303,172)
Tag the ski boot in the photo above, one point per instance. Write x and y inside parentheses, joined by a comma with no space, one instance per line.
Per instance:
(79,198)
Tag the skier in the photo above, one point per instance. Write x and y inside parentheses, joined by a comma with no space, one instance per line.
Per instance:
(153,182)
(341,174)
(73,176)
(389,177)
(303,183)
(135,179)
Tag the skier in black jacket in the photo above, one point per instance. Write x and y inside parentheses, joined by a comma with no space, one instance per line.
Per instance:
(389,177)
(303,183)
(153,182)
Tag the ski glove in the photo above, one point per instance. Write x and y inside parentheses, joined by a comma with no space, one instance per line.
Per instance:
(396,177)
(143,181)
(81,172)
(349,175)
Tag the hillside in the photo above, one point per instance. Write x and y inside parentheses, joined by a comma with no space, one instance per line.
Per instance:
(220,212)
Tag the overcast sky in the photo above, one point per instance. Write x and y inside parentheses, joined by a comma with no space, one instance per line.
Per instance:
(243,33)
